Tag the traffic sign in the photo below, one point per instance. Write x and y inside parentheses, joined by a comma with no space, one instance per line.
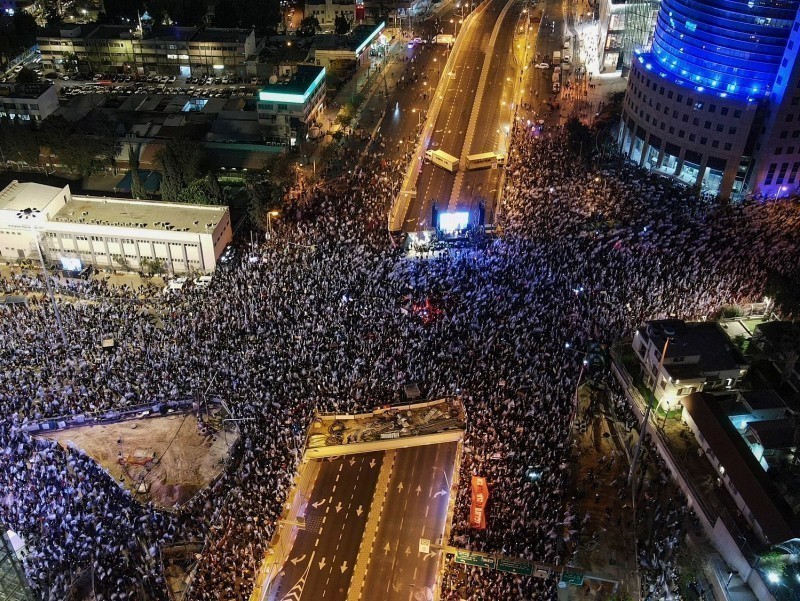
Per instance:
(572,577)
(514,566)
(480,560)
(424,545)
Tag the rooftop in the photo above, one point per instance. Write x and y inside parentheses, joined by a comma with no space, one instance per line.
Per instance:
(24,90)
(175,217)
(706,340)
(215,34)
(296,89)
(358,38)
(18,196)
(769,509)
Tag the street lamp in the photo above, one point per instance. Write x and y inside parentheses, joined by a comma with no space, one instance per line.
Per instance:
(30,214)
(270,215)
(419,116)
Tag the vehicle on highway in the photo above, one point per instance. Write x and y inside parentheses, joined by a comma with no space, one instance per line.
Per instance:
(485,160)
(441,159)
(542,66)
(556,58)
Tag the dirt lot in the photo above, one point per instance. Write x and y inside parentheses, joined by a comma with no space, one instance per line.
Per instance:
(167,459)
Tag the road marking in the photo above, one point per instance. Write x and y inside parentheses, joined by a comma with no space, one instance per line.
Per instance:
(337,477)
(338,507)
(321,565)
(386,549)
(359,511)
(418,489)
(324,518)
(341,465)
(343,568)
(316,543)
(427,509)
(400,487)
(334,488)
(318,504)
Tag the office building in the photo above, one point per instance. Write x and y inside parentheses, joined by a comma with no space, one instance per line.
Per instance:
(289,104)
(712,103)
(326,12)
(179,51)
(76,231)
(27,101)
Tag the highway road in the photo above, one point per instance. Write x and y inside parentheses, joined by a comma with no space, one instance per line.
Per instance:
(459,89)
(320,564)
(416,507)
(323,556)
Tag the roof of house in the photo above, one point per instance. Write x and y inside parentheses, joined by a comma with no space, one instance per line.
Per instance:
(705,339)
(773,433)
(762,498)
(762,399)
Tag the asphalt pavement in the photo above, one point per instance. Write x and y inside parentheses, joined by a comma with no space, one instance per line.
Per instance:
(320,564)
(415,508)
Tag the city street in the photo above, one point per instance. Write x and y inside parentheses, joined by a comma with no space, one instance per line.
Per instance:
(324,556)
(415,508)
(321,561)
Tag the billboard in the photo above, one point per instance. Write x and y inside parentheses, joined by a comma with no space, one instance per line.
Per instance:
(452,222)
(480,496)
(71,263)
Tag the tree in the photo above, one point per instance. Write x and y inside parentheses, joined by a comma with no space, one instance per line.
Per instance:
(85,147)
(180,162)
(122,261)
(308,27)
(152,266)
(341,26)
(579,137)
(53,18)
(19,142)
(27,76)
(137,186)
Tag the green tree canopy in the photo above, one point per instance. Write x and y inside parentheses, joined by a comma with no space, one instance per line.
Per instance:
(341,26)
(180,162)
(308,27)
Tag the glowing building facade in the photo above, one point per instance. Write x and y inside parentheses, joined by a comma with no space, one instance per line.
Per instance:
(703,100)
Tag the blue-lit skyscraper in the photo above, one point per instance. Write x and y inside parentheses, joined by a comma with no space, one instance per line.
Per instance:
(697,104)
(729,46)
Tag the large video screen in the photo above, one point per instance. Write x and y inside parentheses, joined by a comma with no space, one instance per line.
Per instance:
(71,264)
(451,222)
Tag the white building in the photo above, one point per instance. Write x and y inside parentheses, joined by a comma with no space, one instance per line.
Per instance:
(699,357)
(76,231)
(27,102)
(289,106)
(326,12)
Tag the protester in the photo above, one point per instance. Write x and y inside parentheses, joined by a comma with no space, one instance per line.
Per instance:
(322,317)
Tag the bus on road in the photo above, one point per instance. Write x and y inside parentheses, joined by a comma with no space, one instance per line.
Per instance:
(441,159)
(485,160)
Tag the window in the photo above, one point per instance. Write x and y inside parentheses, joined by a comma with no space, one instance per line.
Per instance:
(783,135)
(691,137)
(728,146)
(715,144)
(723,110)
(770,174)
(703,141)
(779,150)
(707,125)
(732,130)
(681,134)
(737,114)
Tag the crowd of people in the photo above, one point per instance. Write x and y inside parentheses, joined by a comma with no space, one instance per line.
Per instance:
(314,319)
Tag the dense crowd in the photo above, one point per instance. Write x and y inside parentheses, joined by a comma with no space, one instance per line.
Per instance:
(314,319)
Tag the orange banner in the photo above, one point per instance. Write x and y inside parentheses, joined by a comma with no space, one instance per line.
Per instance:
(480,496)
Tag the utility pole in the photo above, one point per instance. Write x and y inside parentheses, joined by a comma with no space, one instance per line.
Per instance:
(643,431)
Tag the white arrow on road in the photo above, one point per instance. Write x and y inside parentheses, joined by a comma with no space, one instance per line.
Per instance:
(318,504)
(408,551)
(386,549)
(441,492)
(344,567)
(359,511)
(400,487)
(418,489)
(351,462)
(338,507)
(322,563)
(297,560)
(372,462)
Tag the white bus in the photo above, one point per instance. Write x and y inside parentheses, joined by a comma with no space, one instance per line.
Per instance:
(441,159)
(485,160)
